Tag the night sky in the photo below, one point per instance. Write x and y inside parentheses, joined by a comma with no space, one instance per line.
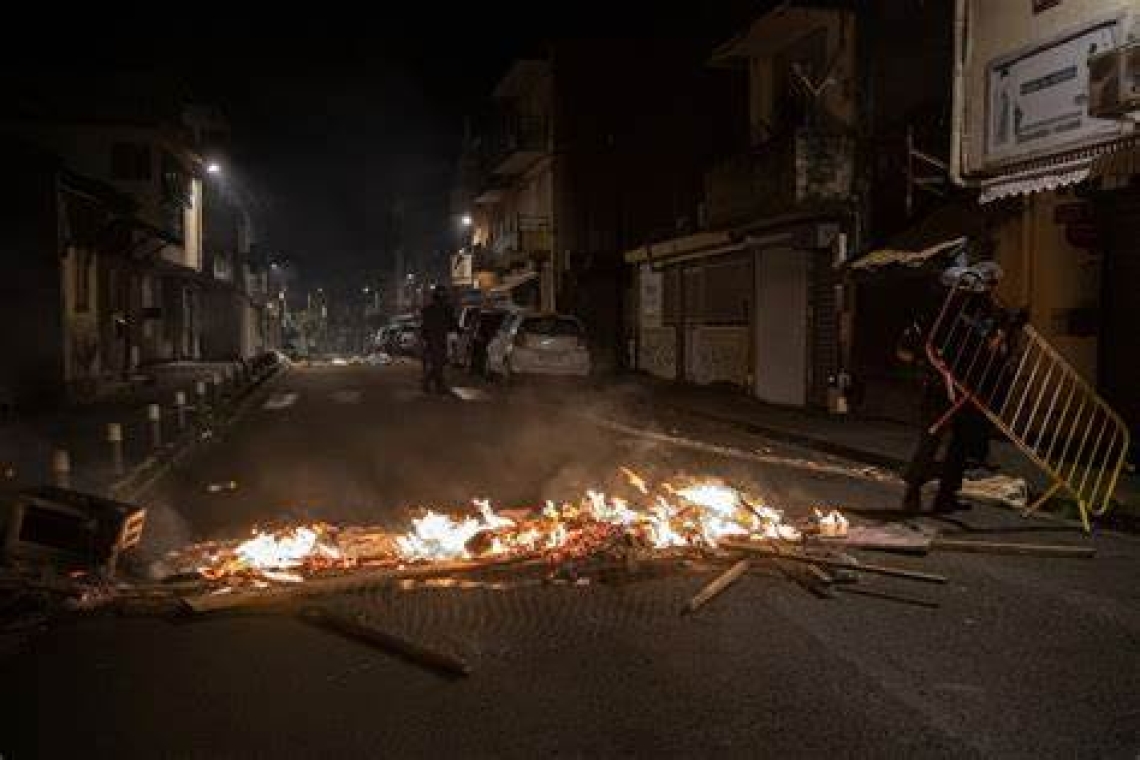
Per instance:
(334,111)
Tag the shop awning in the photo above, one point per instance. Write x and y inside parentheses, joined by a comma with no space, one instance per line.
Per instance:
(696,244)
(885,257)
(1110,159)
(513,282)
(1034,181)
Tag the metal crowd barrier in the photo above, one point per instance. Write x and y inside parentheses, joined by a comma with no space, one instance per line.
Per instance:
(1028,390)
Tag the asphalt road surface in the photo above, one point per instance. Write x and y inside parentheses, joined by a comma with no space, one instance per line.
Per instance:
(1022,657)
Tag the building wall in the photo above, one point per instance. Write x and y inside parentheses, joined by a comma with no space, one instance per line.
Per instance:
(1001,28)
(1055,279)
(31,302)
(785,33)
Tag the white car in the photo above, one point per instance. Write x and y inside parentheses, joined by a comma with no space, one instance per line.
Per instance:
(539,344)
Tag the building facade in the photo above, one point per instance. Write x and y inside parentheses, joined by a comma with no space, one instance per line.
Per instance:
(752,299)
(1045,110)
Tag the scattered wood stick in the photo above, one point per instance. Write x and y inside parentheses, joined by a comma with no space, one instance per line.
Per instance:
(353,580)
(357,628)
(894,572)
(801,575)
(1005,547)
(716,586)
(889,597)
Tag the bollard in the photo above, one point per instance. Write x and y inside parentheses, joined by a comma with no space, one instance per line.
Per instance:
(200,391)
(115,438)
(154,415)
(180,409)
(61,468)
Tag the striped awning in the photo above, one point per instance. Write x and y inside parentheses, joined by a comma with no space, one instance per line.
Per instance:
(1112,159)
(1025,183)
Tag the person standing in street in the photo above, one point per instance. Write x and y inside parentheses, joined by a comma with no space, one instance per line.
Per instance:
(437,319)
(966,431)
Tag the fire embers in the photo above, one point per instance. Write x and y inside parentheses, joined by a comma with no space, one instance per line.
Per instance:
(682,513)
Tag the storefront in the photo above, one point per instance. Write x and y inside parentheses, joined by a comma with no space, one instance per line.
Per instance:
(753,310)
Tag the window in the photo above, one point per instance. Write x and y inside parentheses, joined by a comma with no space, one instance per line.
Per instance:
(130,161)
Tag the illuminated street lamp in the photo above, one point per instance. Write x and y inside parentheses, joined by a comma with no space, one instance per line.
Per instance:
(213,168)
(466,220)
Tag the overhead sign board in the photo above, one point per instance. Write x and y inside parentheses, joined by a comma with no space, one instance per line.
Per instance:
(1038,99)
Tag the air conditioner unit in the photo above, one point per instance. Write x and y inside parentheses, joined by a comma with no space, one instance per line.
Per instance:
(1114,82)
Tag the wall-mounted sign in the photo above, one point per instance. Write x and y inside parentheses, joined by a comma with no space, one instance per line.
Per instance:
(1038,99)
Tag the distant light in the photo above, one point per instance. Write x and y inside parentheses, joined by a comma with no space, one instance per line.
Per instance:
(366,289)
(466,220)
(213,168)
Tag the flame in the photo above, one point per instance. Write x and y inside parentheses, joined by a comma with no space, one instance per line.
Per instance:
(635,480)
(831,524)
(680,513)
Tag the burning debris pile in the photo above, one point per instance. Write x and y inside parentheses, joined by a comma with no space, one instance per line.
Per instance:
(649,530)
(683,515)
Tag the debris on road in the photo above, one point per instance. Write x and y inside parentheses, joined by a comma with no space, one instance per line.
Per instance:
(358,628)
(719,584)
(1007,547)
(641,531)
(997,489)
(69,529)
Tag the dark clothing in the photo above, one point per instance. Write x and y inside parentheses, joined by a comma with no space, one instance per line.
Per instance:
(967,432)
(967,439)
(436,321)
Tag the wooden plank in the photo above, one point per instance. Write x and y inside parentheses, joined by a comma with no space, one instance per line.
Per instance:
(875,593)
(718,584)
(1005,547)
(357,628)
(862,567)
(318,586)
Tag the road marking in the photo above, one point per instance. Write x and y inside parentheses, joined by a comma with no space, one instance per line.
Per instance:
(280,401)
(346,396)
(471,394)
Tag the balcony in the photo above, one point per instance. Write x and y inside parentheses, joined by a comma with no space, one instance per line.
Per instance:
(805,170)
(517,143)
(526,238)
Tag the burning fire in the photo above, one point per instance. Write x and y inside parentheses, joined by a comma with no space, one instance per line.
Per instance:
(689,513)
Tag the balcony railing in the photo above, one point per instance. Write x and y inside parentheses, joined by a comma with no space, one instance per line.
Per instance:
(798,171)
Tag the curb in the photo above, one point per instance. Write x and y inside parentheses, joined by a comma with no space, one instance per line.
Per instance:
(147,473)
(873,458)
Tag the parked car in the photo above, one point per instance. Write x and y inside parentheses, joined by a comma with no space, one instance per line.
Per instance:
(407,339)
(400,336)
(478,336)
(539,344)
(459,341)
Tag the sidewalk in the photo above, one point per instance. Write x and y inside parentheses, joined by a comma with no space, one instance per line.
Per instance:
(878,442)
(27,443)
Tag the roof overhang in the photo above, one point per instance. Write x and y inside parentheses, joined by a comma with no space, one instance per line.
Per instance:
(800,231)
(1061,170)
(512,282)
(912,259)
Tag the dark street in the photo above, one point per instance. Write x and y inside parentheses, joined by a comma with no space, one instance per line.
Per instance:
(1023,656)
(748,378)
